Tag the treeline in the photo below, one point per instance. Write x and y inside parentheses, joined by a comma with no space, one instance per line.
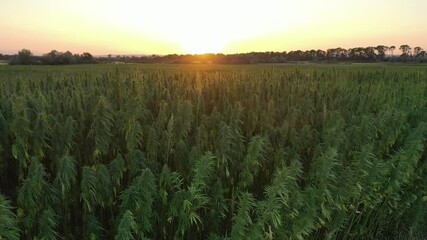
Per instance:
(380,53)
(26,57)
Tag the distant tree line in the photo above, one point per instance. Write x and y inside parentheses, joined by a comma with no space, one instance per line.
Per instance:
(54,57)
(380,53)
(358,54)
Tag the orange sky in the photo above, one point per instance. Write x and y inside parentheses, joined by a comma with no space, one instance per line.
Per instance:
(198,26)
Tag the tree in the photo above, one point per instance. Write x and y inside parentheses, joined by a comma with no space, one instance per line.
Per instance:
(343,53)
(370,53)
(417,51)
(422,54)
(381,49)
(406,50)
(313,55)
(67,57)
(331,53)
(320,54)
(51,57)
(25,56)
(357,53)
(87,58)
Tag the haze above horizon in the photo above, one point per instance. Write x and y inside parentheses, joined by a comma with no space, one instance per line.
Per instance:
(190,26)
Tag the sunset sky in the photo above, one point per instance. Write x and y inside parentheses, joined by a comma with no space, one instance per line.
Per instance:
(198,26)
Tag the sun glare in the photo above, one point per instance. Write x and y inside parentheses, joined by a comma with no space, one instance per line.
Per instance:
(200,45)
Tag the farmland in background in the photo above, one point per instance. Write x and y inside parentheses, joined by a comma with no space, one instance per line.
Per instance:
(131,151)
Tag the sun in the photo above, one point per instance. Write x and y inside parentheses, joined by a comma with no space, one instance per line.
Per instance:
(195,44)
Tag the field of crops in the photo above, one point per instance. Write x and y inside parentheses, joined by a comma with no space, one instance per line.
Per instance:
(213,152)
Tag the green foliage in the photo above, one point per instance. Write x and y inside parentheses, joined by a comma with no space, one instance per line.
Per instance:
(169,183)
(203,171)
(252,161)
(35,189)
(88,188)
(242,222)
(8,222)
(116,169)
(101,127)
(138,200)
(187,205)
(214,152)
(127,227)
(47,223)
(92,228)
(65,174)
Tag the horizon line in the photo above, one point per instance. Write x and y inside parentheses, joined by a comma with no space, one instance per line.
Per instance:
(38,54)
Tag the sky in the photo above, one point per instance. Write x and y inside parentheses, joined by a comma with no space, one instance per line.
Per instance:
(197,26)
